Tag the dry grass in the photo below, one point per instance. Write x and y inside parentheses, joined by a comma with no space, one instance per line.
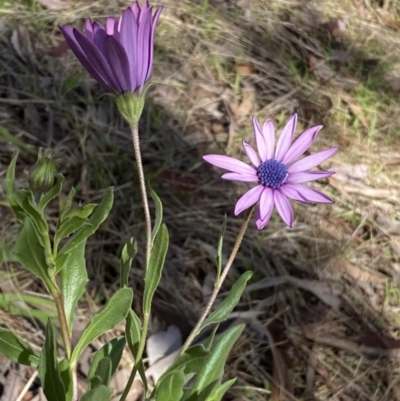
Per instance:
(323,308)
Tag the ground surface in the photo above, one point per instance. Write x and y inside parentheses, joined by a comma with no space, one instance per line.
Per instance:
(322,310)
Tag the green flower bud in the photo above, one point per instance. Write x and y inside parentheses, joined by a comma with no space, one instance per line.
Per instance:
(130,105)
(43,173)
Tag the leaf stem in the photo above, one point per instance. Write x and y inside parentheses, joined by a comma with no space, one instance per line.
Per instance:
(138,356)
(220,282)
(142,182)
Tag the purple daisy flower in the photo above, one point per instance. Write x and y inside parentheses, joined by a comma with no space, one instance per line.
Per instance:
(120,55)
(278,174)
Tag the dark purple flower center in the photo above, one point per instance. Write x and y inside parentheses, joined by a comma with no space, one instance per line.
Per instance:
(272,173)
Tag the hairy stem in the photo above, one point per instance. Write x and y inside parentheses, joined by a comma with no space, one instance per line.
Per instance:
(220,282)
(142,182)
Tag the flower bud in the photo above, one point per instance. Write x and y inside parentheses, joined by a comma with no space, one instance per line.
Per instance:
(43,173)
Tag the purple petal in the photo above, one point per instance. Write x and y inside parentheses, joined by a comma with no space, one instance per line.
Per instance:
(293,193)
(307,176)
(312,161)
(128,31)
(119,63)
(111,26)
(136,9)
(251,154)
(240,177)
(99,36)
(304,141)
(261,223)
(69,34)
(266,203)
(261,145)
(98,60)
(89,29)
(268,131)
(229,163)
(248,199)
(311,194)
(143,45)
(151,43)
(284,208)
(285,138)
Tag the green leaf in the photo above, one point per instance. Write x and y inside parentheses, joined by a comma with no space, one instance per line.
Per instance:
(73,279)
(112,350)
(230,302)
(49,373)
(100,393)
(17,350)
(111,314)
(103,373)
(9,137)
(219,249)
(128,253)
(133,332)
(191,361)
(10,188)
(154,270)
(159,213)
(212,370)
(170,386)
(219,392)
(52,193)
(98,216)
(66,377)
(65,208)
(30,252)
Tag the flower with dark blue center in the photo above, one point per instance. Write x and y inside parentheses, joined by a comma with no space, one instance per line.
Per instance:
(280,176)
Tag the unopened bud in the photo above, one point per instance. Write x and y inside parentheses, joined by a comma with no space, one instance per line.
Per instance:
(43,173)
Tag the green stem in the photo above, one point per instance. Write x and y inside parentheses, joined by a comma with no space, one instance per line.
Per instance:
(142,182)
(220,282)
(138,357)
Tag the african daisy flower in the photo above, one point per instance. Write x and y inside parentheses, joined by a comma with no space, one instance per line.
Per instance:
(120,55)
(277,171)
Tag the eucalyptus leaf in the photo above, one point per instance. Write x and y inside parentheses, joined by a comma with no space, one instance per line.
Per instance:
(128,253)
(219,249)
(100,393)
(212,371)
(17,350)
(52,193)
(159,213)
(111,314)
(74,277)
(229,303)
(113,350)
(154,270)
(170,386)
(10,188)
(219,392)
(93,223)
(49,373)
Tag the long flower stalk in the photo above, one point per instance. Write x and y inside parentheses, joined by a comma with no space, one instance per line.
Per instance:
(220,282)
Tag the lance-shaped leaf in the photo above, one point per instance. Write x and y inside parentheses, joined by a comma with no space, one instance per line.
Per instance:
(10,188)
(52,193)
(154,270)
(102,375)
(30,251)
(73,279)
(113,350)
(98,216)
(111,314)
(159,213)
(66,377)
(219,249)
(49,373)
(17,350)
(170,387)
(212,371)
(230,302)
(128,253)
(219,392)
(100,393)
